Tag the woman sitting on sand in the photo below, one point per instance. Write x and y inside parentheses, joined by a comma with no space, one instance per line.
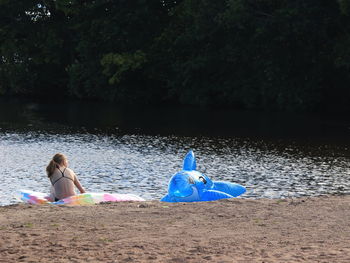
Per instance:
(62,178)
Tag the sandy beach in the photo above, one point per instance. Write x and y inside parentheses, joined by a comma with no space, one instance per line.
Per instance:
(234,230)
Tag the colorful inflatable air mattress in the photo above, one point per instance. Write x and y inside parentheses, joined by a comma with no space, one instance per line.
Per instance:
(32,197)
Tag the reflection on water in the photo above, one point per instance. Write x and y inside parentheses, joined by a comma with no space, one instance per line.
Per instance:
(137,151)
(143,164)
(77,117)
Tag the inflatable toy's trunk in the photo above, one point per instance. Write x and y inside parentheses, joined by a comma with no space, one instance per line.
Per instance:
(189,185)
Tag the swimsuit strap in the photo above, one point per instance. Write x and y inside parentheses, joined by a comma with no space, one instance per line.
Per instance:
(62,172)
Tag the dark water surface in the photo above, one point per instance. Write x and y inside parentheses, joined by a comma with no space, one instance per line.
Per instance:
(136,151)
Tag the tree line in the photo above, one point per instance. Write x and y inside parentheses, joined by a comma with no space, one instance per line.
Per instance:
(290,55)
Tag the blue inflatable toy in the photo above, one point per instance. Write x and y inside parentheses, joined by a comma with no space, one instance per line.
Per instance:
(190,185)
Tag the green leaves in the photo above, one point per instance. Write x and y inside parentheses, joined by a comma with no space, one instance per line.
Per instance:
(265,54)
(116,65)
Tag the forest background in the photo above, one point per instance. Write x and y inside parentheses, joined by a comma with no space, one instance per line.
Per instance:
(285,55)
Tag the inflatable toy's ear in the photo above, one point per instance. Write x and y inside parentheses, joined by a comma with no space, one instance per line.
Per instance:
(189,162)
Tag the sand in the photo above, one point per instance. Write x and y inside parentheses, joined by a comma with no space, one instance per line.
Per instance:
(234,230)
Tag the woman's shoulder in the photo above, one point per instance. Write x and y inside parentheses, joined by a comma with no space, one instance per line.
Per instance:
(69,170)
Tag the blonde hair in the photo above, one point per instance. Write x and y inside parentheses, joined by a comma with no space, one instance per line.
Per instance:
(54,163)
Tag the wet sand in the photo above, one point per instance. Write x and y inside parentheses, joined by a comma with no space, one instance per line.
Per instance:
(234,230)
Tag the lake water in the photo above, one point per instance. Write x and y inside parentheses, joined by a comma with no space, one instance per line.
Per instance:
(137,150)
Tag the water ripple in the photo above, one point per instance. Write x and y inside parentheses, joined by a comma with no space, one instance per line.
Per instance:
(143,164)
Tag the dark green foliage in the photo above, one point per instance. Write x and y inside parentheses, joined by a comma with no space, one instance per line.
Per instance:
(191,45)
(108,30)
(263,54)
(288,46)
(33,49)
(259,54)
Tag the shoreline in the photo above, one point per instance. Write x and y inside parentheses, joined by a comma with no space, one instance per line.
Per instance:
(308,229)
